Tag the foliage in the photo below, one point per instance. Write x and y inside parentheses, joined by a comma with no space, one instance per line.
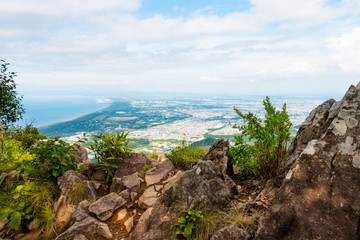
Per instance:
(110,146)
(53,159)
(14,155)
(77,193)
(27,200)
(108,168)
(154,155)
(11,108)
(27,135)
(270,138)
(146,168)
(184,156)
(187,224)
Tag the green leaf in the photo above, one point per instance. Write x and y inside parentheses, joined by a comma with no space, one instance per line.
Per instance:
(188,231)
(15,220)
(181,220)
(5,212)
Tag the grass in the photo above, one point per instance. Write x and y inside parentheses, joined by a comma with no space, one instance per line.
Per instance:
(184,157)
(34,200)
(154,155)
(214,220)
(76,194)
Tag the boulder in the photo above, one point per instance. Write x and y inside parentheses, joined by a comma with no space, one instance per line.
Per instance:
(171,181)
(74,188)
(80,237)
(67,181)
(149,197)
(63,210)
(218,155)
(106,205)
(320,178)
(159,172)
(132,182)
(89,227)
(81,154)
(199,188)
(230,232)
(132,163)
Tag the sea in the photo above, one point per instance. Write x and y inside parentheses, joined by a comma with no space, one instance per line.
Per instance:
(43,112)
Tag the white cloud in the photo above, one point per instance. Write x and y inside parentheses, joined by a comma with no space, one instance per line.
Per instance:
(347,50)
(102,44)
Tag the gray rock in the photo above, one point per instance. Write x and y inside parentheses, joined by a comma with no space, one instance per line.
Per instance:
(67,181)
(80,237)
(159,172)
(105,206)
(131,182)
(125,194)
(171,181)
(89,227)
(79,215)
(132,163)
(231,232)
(81,154)
(320,178)
(149,197)
(218,155)
(199,188)
(116,185)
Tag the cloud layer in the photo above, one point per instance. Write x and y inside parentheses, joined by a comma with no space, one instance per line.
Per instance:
(270,47)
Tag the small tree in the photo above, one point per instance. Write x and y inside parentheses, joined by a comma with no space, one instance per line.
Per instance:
(269,138)
(11,108)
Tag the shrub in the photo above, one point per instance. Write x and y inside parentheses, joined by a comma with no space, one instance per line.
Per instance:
(270,138)
(28,200)
(14,155)
(187,224)
(110,146)
(27,135)
(184,156)
(53,159)
(154,155)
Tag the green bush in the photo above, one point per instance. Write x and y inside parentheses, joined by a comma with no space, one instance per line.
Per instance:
(14,155)
(23,201)
(184,156)
(52,160)
(269,141)
(111,146)
(108,148)
(27,135)
(186,225)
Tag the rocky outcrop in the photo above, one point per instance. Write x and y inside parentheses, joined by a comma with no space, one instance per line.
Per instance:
(218,155)
(105,206)
(81,154)
(83,225)
(132,163)
(74,188)
(231,232)
(320,179)
(199,188)
(159,172)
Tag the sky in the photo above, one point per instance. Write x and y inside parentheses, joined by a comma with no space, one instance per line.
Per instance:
(106,48)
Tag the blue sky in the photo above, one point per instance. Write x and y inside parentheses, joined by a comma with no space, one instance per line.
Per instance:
(104,48)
